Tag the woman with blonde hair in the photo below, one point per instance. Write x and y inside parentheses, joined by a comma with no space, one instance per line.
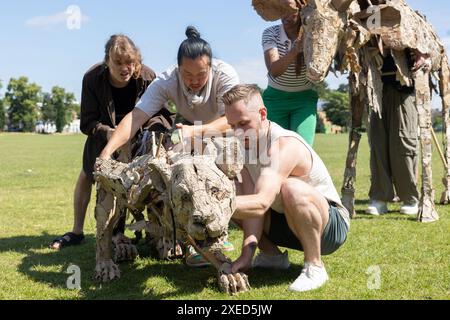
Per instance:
(110,90)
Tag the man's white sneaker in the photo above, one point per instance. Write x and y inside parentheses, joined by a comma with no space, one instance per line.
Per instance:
(263,260)
(377,207)
(410,209)
(312,277)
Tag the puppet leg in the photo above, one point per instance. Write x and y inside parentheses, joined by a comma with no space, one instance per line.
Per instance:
(427,210)
(348,187)
(445,96)
(106,214)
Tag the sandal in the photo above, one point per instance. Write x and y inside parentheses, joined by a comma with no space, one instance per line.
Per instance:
(68,239)
(195,259)
(227,246)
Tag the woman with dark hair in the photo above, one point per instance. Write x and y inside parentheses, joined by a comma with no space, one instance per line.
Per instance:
(290,98)
(110,90)
(196,86)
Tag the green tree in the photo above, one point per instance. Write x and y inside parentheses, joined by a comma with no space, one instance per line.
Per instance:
(76,108)
(322,90)
(438,123)
(2,112)
(48,112)
(336,106)
(23,98)
(58,106)
(320,127)
(343,87)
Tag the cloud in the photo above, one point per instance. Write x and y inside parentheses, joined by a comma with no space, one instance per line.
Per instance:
(71,17)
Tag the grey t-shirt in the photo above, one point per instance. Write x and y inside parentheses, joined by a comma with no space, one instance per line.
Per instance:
(169,87)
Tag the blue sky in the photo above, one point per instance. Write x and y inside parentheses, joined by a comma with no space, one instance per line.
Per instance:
(37,43)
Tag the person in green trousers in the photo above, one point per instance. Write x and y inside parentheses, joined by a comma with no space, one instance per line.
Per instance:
(290,97)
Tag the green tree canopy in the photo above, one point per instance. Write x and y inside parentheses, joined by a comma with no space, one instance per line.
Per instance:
(336,105)
(2,112)
(322,89)
(48,112)
(22,98)
(58,106)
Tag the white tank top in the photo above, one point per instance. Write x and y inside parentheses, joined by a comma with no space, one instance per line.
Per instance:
(318,178)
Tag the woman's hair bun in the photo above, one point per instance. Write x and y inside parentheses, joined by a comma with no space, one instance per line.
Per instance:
(191,32)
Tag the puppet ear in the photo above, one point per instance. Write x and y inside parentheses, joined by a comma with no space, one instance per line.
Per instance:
(271,10)
(226,153)
(160,174)
(341,5)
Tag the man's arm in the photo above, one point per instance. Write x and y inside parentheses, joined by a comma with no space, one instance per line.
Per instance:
(285,155)
(251,208)
(215,128)
(125,131)
(252,227)
(220,125)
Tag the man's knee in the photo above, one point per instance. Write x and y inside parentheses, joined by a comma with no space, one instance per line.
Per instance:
(300,199)
(294,195)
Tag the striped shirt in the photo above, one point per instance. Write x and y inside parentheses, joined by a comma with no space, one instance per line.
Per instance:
(275,38)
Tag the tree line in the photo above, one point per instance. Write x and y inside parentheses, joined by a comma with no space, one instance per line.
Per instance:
(336,105)
(24,104)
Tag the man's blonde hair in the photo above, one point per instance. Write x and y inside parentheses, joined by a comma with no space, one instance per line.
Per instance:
(244,92)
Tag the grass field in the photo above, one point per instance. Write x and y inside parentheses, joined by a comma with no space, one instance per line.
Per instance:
(37,177)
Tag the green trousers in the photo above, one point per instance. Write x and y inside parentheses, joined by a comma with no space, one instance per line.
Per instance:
(296,111)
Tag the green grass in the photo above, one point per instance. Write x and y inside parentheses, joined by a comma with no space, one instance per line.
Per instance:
(37,177)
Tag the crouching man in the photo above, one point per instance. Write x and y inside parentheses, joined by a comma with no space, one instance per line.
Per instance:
(286,197)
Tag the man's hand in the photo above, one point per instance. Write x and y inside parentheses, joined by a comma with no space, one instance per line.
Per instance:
(186,130)
(244,262)
(189,133)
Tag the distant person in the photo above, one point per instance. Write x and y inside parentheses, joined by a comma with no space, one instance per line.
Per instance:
(196,86)
(110,91)
(290,97)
